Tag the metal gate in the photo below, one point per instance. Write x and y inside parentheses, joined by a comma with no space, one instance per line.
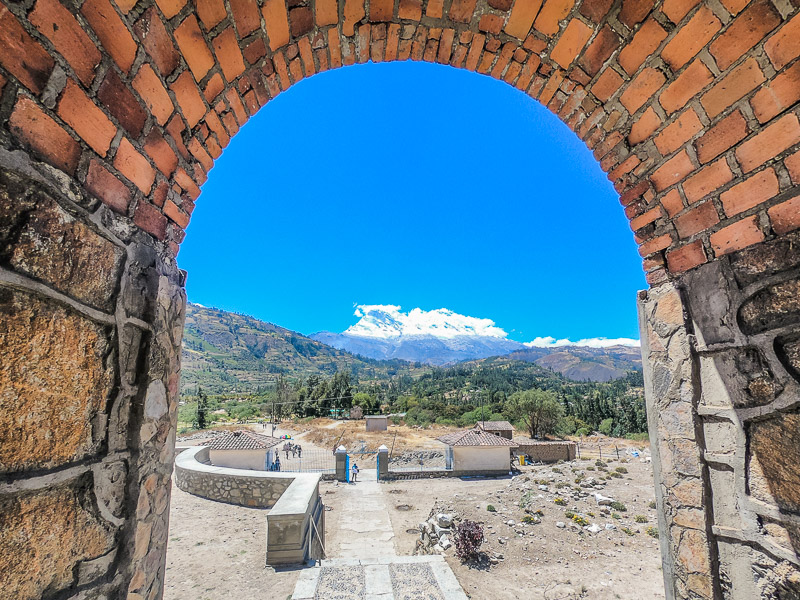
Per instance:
(365,460)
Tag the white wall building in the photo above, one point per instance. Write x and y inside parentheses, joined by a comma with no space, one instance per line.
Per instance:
(243,449)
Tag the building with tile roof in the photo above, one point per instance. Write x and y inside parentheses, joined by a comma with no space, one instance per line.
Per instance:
(243,449)
(476,451)
(500,428)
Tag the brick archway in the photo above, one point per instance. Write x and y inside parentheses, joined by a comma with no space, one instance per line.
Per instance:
(113,113)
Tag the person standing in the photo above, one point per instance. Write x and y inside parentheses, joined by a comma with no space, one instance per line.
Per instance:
(299,451)
(277,463)
(355,472)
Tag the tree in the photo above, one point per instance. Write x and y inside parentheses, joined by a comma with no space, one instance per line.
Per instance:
(605,426)
(539,410)
(202,408)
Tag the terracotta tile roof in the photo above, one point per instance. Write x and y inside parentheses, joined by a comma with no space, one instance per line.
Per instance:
(526,441)
(474,437)
(241,440)
(494,426)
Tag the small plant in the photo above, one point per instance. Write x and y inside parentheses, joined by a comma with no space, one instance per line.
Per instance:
(491,508)
(526,500)
(582,521)
(591,514)
(615,516)
(530,520)
(640,519)
(628,531)
(619,506)
(590,468)
(600,463)
(578,479)
(621,470)
(560,501)
(561,484)
(569,514)
(557,470)
(652,531)
(615,474)
(468,539)
(652,504)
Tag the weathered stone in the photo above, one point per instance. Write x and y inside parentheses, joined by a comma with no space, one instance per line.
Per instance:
(709,296)
(56,376)
(142,539)
(726,504)
(109,486)
(44,535)
(789,354)
(693,552)
(769,258)
(691,518)
(773,307)
(774,454)
(739,378)
(40,239)
(689,492)
(720,435)
(155,403)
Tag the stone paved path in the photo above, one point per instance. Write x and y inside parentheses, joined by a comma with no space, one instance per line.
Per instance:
(365,566)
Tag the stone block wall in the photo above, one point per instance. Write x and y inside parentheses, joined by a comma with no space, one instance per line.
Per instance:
(723,407)
(547,451)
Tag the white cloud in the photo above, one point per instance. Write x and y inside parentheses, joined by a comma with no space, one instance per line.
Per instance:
(389,321)
(599,342)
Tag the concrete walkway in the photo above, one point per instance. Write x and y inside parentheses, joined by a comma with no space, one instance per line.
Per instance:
(364,565)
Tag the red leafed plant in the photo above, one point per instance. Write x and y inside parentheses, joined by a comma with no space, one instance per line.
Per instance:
(468,539)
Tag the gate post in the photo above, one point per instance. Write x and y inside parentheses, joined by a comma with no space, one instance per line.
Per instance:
(383,463)
(341,464)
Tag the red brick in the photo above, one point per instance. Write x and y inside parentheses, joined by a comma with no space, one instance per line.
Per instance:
(522,17)
(152,91)
(236,105)
(461,11)
(607,84)
(672,202)
(157,42)
(214,87)
(677,9)
(596,10)
(125,5)
(197,150)
(679,92)
(722,136)
(490,23)
(380,10)
(211,12)
(644,126)
(643,44)
(86,118)
(327,12)
(691,38)
(770,142)
(246,16)
(783,47)
(111,31)
(779,94)
(793,166)
(735,6)
(654,245)
(734,237)
(435,9)
(672,171)
(504,5)
(677,133)
(641,89)
(751,192)
(160,152)
(686,257)
(645,219)
(59,26)
(552,12)
(785,217)
(121,103)
(571,42)
(744,32)
(707,180)
(254,51)
(22,55)
(159,195)
(277,23)
(634,11)
(410,10)
(187,183)
(226,47)
(170,8)
(134,166)
(194,48)
(600,50)
(175,214)
(701,218)
(36,130)
(301,21)
(110,190)
(735,85)
(150,219)
(189,99)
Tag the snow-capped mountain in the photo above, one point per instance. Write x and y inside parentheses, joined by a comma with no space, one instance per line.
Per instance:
(435,337)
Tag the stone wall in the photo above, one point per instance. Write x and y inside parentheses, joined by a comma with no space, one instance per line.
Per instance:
(546,451)
(723,396)
(195,474)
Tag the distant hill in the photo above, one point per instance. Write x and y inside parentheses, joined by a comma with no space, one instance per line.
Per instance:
(226,352)
(583,363)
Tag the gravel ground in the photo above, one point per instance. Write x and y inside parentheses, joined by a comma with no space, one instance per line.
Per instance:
(414,582)
(341,583)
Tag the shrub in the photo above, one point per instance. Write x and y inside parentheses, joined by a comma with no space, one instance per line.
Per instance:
(491,508)
(560,501)
(561,484)
(605,426)
(615,516)
(557,470)
(582,432)
(526,500)
(628,531)
(652,531)
(600,463)
(582,521)
(590,468)
(468,539)
(638,437)
(569,514)
(652,504)
(615,474)
(530,519)
(640,519)
(618,506)
(621,470)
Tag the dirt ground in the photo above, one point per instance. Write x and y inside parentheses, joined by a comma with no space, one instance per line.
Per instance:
(216,551)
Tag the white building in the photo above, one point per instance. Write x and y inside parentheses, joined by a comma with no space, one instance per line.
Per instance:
(475,451)
(243,449)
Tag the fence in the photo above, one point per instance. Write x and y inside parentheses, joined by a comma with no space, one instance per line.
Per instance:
(609,451)
(308,461)
(412,461)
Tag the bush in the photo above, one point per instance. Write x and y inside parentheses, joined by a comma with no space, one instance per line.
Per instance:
(615,474)
(468,539)
(652,504)
(578,519)
(628,531)
(582,432)
(600,463)
(619,506)
(491,508)
(621,470)
(569,514)
(560,501)
(640,519)
(615,516)
(638,437)
(605,426)
(652,531)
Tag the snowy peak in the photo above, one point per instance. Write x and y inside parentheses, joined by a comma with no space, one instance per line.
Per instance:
(387,322)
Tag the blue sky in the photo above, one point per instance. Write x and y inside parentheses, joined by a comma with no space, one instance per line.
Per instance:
(416,185)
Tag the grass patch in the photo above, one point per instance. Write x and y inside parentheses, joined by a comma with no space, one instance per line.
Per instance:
(491,508)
